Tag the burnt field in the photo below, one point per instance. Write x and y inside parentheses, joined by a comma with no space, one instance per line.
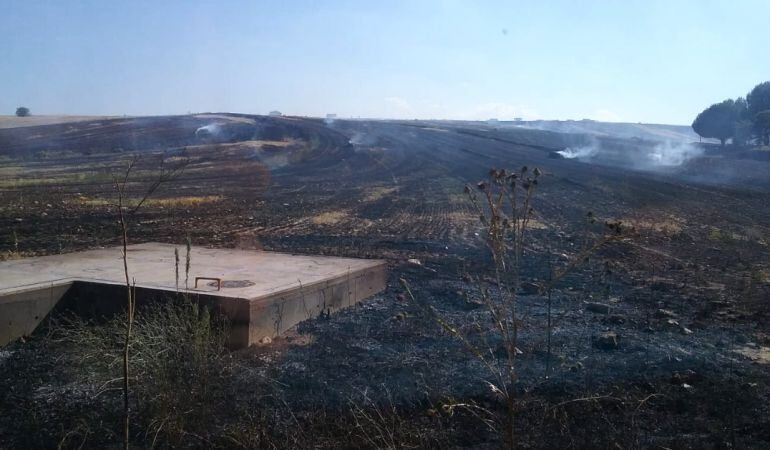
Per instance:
(687,289)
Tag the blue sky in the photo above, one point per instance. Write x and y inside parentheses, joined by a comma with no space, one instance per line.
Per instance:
(648,61)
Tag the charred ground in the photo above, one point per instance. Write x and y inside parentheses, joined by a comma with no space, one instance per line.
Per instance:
(688,289)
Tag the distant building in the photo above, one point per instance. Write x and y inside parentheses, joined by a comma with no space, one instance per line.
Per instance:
(518,119)
(275,113)
(331,116)
(492,121)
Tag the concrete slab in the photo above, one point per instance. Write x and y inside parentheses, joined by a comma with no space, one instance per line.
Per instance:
(262,293)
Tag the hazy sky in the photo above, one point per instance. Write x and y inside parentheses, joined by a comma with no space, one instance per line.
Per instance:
(650,61)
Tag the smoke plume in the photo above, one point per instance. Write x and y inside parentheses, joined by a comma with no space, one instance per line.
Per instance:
(580,153)
(669,154)
(212,130)
(640,155)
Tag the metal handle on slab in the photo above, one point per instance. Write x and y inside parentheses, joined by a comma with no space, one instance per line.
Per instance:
(218,280)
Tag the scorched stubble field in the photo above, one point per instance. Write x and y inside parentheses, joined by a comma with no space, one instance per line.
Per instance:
(686,288)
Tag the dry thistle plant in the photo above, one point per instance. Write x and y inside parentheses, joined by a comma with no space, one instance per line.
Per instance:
(503,203)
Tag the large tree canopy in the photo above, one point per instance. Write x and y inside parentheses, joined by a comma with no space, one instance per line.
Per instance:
(743,120)
(762,125)
(759,98)
(759,107)
(22,111)
(719,121)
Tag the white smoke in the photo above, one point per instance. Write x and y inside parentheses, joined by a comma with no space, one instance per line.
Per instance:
(648,156)
(211,130)
(669,154)
(580,153)
(362,139)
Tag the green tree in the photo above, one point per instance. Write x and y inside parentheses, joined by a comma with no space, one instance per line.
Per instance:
(22,111)
(744,132)
(741,108)
(759,98)
(743,124)
(758,101)
(762,125)
(719,120)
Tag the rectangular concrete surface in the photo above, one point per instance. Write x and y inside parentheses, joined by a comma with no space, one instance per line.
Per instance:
(261,293)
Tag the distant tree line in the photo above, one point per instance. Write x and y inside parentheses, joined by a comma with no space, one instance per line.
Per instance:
(744,120)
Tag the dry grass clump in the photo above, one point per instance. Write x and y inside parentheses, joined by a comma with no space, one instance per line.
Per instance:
(170,202)
(7,255)
(186,392)
(375,194)
(241,146)
(35,120)
(330,217)
(50,178)
(666,225)
(183,201)
(15,183)
(178,360)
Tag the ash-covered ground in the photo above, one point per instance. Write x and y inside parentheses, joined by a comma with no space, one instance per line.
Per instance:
(685,291)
